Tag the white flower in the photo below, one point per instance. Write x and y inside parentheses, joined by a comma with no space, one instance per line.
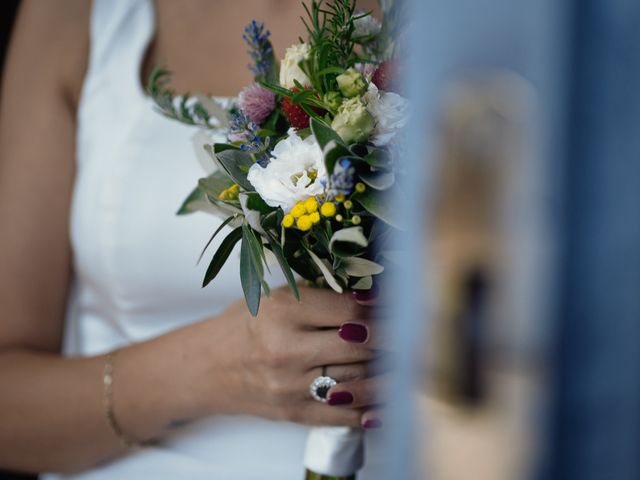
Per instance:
(390,112)
(353,122)
(290,70)
(296,172)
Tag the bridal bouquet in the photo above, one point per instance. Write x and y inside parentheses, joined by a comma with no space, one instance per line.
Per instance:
(309,161)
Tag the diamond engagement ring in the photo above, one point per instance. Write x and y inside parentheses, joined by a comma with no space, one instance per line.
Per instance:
(320,386)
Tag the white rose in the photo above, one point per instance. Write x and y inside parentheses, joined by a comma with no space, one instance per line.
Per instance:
(290,70)
(296,172)
(390,112)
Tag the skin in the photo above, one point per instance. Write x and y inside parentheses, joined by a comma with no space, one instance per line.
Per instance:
(51,408)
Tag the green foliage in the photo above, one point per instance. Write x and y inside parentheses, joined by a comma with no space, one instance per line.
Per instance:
(380,206)
(341,251)
(221,255)
(237,164)
(250,277)
(183,108)
(215,234)
(330,26)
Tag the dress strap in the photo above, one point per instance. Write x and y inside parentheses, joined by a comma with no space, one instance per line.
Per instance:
(120,33)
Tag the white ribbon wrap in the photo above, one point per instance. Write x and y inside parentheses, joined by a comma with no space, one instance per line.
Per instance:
(335,451)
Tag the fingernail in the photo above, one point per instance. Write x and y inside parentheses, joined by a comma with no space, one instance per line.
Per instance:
(340,398)
(365,295)
(371,423)
(353,332)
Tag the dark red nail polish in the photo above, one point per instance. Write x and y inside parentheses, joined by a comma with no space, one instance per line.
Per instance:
(353,332)
(340,398)
(372,423)
(365,295)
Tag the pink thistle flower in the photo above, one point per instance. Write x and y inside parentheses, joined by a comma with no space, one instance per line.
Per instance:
(257,102)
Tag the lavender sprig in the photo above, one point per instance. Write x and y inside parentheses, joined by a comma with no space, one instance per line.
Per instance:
(242,129)
(260,49)
(342,179)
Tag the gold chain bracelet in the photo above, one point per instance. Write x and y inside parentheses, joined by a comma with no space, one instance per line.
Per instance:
(107,381)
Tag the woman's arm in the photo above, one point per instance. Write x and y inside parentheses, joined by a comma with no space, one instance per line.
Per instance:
(41,392)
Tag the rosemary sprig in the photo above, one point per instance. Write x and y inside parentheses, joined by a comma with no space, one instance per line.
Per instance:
(183,108)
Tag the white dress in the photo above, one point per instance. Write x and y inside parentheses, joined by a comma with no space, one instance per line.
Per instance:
(135,260)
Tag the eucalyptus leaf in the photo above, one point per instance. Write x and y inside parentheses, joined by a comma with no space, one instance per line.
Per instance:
(381,206)
(195,202)
(348,241)
(378,158)
(364,283)
(237,164)
(380,180)
(221,255)
(361,267)
(249,278)
(328,276)
(211,152)
(215,184)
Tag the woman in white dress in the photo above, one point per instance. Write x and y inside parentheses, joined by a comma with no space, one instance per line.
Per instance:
(94,261)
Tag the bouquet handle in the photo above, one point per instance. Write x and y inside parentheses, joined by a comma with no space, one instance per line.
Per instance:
(334,453)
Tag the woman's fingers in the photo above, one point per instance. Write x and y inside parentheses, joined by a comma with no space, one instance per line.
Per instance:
(362,332)
(371,418)
(324,347)
(346,373)
(357,393)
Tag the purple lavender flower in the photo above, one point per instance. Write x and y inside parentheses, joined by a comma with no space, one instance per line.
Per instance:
(260,49)
(242,129)
(257,102)
(341,179)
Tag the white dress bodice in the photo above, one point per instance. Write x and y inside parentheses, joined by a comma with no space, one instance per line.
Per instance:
(134,259)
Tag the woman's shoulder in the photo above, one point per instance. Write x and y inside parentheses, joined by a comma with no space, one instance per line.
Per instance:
(51,40)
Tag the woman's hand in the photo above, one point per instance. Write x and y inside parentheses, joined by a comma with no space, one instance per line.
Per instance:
(263,366)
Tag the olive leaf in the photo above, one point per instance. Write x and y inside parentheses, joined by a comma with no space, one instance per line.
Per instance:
(221,255)
(361,267)
(233,161)
(381,206)
(328,276)
(364,283)
(250,278)
(348,241)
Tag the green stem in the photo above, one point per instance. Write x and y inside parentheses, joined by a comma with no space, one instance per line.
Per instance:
(317,476)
